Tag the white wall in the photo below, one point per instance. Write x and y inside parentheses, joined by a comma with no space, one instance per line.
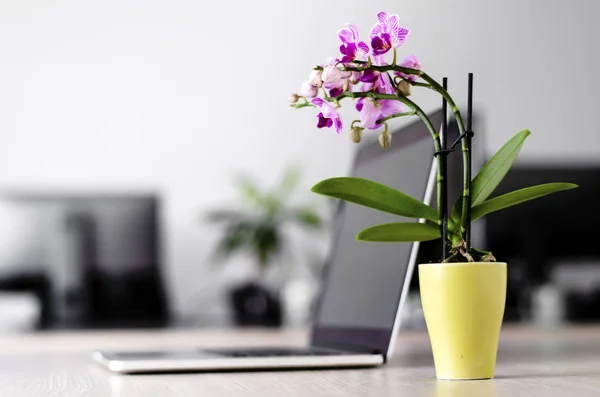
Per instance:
(178,95)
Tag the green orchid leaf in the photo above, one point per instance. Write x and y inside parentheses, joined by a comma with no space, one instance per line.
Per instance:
(375,195)
(518,197)
(402,232)
(492,172)
(496,168)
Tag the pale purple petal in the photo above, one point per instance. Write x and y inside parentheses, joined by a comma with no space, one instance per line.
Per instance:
(376,31)
(356,77)
(328,110)
(363,49)
(317,101)
(369,114)
(384,85)
(411,62)
(390,106)
(354,31)
(346,36)
(366,87)
(378,60)
(335,84)
(400,37)
(383,17)
(393,23)
(337,124)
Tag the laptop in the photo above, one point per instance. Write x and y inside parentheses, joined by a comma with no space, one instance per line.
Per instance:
(365,284)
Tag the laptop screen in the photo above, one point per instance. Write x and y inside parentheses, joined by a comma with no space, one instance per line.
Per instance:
(365,280)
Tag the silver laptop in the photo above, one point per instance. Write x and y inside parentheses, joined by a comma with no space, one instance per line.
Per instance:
(365,286)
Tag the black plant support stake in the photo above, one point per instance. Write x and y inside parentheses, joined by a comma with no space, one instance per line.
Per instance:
(444,159)
(470,148)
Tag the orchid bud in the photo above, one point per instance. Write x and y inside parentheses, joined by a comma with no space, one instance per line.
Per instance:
(293,98)
(315,78)
(385,139)
(404,88)
(331,74)
(356,134)
(308,90)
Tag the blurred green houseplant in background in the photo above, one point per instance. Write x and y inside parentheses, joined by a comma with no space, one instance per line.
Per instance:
(257,229)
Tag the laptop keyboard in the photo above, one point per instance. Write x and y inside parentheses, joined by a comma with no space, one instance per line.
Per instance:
(275,352)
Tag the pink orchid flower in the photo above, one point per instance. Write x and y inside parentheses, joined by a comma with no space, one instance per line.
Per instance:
(371,111)
(328,116)
(387,33)
(352,47)
(378,82)
(411,62)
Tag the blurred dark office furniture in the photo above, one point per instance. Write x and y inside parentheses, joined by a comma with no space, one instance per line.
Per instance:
(94,261)
(561,228)
(255,305)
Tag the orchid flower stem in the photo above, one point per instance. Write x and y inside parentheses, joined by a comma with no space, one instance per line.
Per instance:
(394,59)
(465,151)
(381,69)
(398,79)
(302,105)
(441,165)
(393,116)
(418,84)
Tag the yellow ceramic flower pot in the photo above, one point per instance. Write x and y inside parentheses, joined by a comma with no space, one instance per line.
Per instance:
(464,307)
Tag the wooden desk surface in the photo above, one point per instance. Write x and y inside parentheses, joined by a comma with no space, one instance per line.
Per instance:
(530,363)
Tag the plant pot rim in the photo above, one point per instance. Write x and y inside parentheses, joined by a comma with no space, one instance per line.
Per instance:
(458,264)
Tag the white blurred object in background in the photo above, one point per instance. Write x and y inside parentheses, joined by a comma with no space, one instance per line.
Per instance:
(18,312)
(547,306)
(581,276)
(298,297)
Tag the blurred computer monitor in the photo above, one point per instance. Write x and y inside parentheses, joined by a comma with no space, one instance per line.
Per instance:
(536,237)
(96,257)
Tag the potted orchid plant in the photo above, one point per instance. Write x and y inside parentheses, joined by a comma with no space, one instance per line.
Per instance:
(463,295)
